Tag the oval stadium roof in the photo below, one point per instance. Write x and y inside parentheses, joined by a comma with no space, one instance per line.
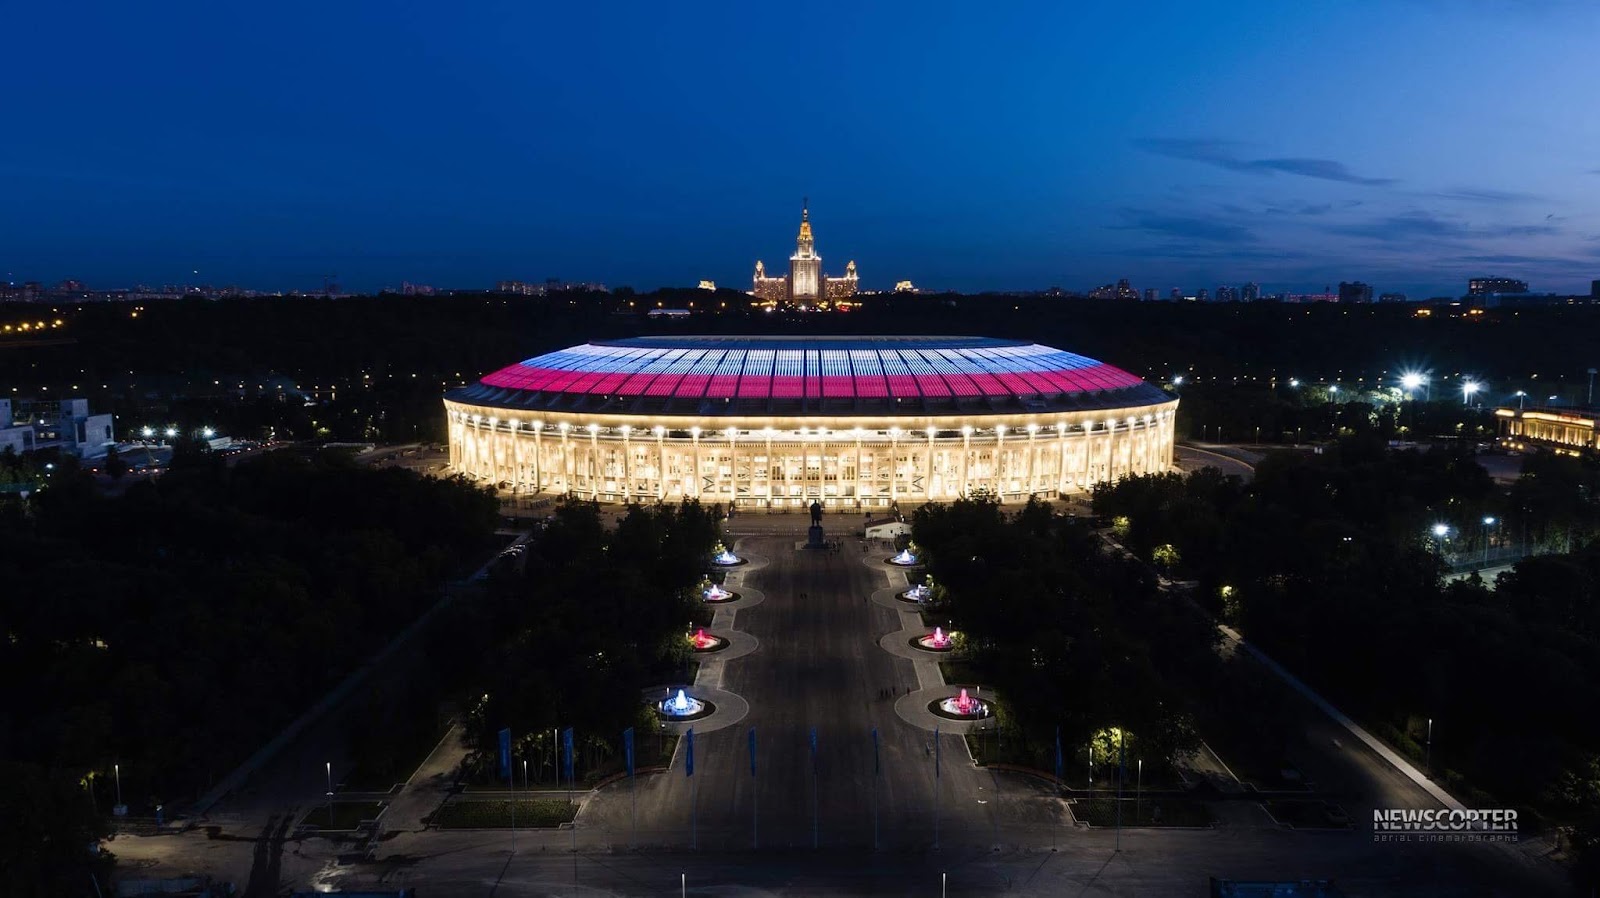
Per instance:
(810,376)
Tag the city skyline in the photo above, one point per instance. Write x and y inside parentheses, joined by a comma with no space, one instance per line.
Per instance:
(1297,147)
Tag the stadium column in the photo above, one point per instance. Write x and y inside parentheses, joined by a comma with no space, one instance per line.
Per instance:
(894,465)
(966,457)
(661,463)
(694,432)
(769,466)
(518,480)
(997,470)
(861,496)
(733,467)
(1061,459)
(927,470)
(538,457)
(566,460)
(1033,448)
(627,466)
(594,462)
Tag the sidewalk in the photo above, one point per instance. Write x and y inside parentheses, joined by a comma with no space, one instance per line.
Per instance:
(428,787)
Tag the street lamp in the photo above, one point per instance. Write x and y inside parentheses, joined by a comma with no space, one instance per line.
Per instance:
(1521,395)
(1412,380)
(1177,380)
(1294,383)
(1441,530)
(1487,523)
(1467,389)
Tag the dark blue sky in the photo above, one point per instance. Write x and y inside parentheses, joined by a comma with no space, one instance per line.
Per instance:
(1408,143)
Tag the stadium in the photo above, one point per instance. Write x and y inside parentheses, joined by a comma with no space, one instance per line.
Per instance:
(852,422)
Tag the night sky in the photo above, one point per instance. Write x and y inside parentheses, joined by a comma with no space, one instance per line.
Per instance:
(1407,143)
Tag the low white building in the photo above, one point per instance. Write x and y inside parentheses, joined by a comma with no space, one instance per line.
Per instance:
(65,424)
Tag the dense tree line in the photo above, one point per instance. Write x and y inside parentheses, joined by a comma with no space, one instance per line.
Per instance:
(595,615)
(1330,562)
(1071,635)
(175,628)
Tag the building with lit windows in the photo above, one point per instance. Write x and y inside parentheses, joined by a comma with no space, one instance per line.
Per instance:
(852,422)
(1570,430)
(805,284)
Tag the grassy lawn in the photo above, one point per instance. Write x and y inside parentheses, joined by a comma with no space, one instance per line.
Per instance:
(347,815)
(1171,812)
(957,670)
(1303,814)
(497,813)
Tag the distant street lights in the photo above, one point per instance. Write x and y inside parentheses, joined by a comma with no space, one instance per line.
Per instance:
(1440,532)
(1468,388)
(1521,395)
(1487,523)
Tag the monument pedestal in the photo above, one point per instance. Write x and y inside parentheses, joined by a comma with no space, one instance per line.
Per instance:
(814,537)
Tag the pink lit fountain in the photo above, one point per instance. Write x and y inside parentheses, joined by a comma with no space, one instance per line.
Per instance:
(937,641)
(714,593)
(963,706)
(702,641)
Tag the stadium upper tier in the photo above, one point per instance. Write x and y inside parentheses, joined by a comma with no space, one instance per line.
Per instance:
(794,375)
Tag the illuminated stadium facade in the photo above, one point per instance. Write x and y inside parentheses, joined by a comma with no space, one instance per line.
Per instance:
(772,421)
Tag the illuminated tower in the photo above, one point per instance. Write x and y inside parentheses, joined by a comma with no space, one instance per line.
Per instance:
(805,266)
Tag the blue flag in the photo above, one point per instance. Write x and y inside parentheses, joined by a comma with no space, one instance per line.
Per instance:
(566,750)
(935,752)
(688,767)
(505,752)
(627,748)
(1058,753)
(752,752)
(813,749)
(875,767)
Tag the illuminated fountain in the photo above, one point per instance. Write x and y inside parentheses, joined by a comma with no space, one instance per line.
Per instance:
(904,559)
(702,641)
(937,641)
(711,592)
(961,707)
(680,705)
(724,557)
(920,593)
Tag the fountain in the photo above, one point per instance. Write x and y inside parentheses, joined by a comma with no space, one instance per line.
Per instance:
(937,641)
(960,707)
(904,559)
(919,593)
(682,706)
(715,593)
(702,641)
(725,558)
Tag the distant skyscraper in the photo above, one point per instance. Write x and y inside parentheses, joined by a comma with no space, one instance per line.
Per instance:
(1125,290)
(1177,294)
(1354,291)
(1226,293)
(805,284)
(1150,292)
(1251,292)
(1202,295)
(1392,297)
(1486,286)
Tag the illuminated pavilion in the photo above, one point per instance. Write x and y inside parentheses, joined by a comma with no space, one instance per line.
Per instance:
(852,422)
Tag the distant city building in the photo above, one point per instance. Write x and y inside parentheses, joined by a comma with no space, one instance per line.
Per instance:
(1176,295)
(1226,293)
(1250,292)
(708,285)
(1150,294)
(805,284)
(64,424)
(551,285)
(1490,286)
(904,287)
(409,289)
(1594,289)
(1392,297)
(1202,295)
(1570,431)
(1354,291)
(1310,297)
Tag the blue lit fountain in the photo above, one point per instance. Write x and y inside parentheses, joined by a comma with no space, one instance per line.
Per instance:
(680,706)
(724,557)
(904,559)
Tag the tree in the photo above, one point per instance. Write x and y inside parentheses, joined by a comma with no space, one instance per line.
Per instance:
(115,466)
